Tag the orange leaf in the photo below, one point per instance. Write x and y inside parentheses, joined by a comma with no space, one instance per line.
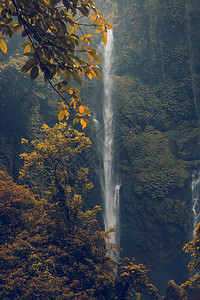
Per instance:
(104,38)
(81,109)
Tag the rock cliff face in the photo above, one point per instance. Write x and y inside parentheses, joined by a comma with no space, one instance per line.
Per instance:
(25,106)
(157,138)
(156,100)
(154,232)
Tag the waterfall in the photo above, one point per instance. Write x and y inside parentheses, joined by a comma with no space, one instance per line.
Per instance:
(196,198)
(110,187)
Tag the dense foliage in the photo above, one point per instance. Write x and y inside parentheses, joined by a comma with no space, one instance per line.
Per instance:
(51,248)
(53,159)
(42,255)
(56,44)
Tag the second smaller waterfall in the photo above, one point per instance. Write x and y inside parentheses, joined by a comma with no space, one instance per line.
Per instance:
(196,198)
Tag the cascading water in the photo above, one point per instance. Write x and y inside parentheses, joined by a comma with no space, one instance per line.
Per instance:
(110,187)
(196,174)
(196,198)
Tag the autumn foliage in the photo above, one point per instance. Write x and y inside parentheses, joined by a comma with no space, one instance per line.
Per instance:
(192,286)
(40,256)
(50,248)
(57,45)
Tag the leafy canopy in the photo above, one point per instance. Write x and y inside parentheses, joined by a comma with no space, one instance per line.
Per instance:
(192,285)
(53,160)
(44,257)
(56,44)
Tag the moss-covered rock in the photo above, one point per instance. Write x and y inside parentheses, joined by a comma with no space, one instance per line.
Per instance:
(25,106)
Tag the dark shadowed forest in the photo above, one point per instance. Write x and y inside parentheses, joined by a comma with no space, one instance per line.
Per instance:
(100,149)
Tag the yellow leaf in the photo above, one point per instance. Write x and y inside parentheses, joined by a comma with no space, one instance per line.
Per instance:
(77,27)
(90,56)
(71,30)
(69,15)
(99,23)
(111,27)
(27,48)
(97,73)
(66,112)
(61,115)
(87,111)
(3,46)
(20,28)
(63,104)
(76,120)
(83,123)
(104,39)
(93,73)
(89,75)
(93,18)
(83,48)
(98,31)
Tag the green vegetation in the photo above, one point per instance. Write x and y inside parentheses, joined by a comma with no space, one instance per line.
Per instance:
(23,108)
(190,289)
(158,171)
(156,103)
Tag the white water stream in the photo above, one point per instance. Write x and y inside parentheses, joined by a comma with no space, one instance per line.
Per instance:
(110,187)
(196,198)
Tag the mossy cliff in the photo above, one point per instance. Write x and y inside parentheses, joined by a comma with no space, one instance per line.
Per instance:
(157,138)
(156,101)
(25,106)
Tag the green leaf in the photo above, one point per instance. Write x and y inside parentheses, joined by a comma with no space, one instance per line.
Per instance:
(83,9)
(97,73)
(9,31)
(67,76)
(34,72)
(77,77)
(29,64)
(96,57)
(28,54)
